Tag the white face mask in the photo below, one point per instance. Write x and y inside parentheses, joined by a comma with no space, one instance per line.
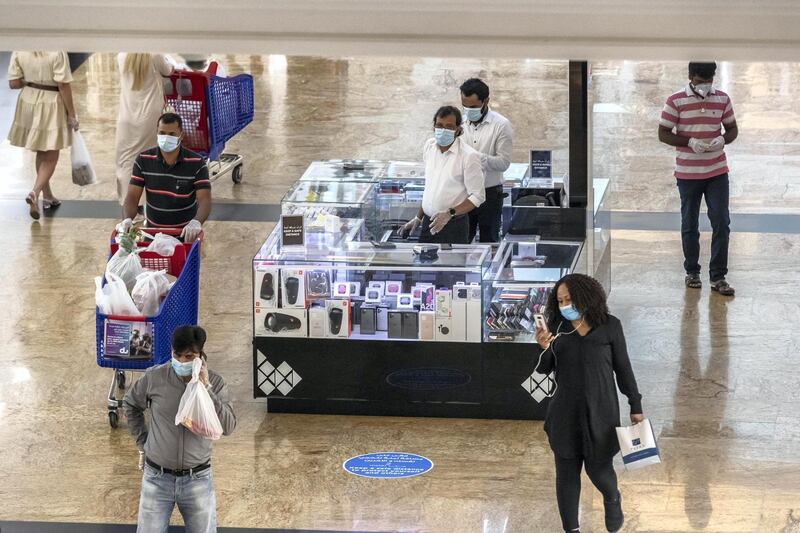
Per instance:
(703,89)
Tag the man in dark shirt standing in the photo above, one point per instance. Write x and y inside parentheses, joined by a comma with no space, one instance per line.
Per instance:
(176,181)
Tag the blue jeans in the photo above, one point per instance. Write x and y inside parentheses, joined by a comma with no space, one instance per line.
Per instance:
(194,495)
(716,193)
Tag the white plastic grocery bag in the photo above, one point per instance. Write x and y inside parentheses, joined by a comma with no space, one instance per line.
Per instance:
(113,298)
(196,410)
(150,287)
(126,266)
(164,245)
(638,445)
(82,169)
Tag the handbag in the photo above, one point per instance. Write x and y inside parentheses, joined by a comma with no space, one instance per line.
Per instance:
(638,446)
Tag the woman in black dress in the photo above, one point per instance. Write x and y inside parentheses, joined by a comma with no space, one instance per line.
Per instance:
(584,345)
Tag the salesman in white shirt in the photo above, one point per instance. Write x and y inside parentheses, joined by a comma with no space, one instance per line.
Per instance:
(453,183)
(491,135)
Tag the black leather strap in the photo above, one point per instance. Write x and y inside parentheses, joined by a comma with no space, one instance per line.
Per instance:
(41,87)
(179,473)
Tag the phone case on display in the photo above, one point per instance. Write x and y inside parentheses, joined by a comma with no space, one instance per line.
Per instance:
(458,313)
(474,314)
(410,325)
(294,291)
(369,320)
(382,313)
(355,312)
(405,301)
(379,286)
(265,287)
(281,323)
(444,329)
(444,303)
(355,288)
(341,289)
(318,284)
(393,288)
(338,319)
(427,325)
(395,324)
(317,321)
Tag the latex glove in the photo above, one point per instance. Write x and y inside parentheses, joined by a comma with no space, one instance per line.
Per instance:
(716,144)
(698,146)
(410,226)
(73,123)
(191,230)
(124,226)
(141,460)
(439,221)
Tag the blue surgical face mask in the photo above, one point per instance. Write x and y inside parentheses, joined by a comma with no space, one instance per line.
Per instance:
(168,143)
(182,369)
(444,137)
(569,312)
(473,114)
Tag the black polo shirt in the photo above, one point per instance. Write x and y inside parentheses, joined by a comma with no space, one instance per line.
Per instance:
(171,190)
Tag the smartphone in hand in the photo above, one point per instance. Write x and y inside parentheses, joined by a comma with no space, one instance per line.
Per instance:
(540,322)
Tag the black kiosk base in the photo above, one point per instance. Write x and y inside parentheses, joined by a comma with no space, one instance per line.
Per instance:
(398,378)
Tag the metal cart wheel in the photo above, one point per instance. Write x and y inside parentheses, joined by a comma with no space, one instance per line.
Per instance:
(236,175)
(113,419)
(120,379)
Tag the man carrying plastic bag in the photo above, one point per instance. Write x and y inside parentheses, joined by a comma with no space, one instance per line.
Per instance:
(176,461)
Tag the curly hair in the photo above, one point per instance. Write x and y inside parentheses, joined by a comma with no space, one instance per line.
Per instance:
(587,296)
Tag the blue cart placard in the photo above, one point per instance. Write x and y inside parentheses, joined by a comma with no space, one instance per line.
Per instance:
(388,465)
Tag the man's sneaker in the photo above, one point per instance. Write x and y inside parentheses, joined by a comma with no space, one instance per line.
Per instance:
(614,516)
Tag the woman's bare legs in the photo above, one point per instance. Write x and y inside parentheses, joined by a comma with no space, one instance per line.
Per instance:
(46,162)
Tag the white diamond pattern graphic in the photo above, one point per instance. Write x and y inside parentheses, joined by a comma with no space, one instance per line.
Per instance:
(284,378)
(539,386)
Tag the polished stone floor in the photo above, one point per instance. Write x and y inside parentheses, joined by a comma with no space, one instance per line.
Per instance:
(719,377)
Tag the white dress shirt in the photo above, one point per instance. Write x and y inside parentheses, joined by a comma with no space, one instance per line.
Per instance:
(451,177)
(492,137)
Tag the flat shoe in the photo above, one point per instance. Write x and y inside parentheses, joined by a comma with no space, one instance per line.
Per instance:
(723,288)
(51,204)
(33,206)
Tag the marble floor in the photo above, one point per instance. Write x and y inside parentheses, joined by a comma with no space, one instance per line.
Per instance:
(719,377)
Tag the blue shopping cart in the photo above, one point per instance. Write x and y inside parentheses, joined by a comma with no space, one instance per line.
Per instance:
(213,110)
(135,343)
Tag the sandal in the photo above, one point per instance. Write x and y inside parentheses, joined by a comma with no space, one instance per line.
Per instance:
(693,281)
(33,205)
(723,288)
(51,204)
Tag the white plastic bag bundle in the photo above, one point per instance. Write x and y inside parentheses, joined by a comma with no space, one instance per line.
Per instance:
(196,410)
(113,298)
(638,446)
(126,266)
(150,287)
(164,245)
(82,169)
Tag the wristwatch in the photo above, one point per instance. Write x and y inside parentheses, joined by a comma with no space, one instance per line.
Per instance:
(452,212)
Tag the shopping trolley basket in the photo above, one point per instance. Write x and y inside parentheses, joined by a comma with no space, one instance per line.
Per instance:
(178,308)
(213,110)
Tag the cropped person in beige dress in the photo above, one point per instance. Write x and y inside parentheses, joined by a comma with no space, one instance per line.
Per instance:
(141,102)
(44,118)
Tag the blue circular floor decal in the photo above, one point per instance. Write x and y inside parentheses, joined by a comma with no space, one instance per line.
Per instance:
(388,465)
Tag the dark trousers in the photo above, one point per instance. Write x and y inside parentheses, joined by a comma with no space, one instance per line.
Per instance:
(568,485)
(454,232)
(487,216)
(716,192)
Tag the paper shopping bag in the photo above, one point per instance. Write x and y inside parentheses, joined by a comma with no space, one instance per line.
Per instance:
(638,445)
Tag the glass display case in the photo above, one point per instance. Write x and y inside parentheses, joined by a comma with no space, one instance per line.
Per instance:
(518,283)
(359,170)
(353,289)
(319,199)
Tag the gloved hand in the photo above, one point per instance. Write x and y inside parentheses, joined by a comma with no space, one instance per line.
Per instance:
(698,146)
(409,227)
(717,143)
(191,230)
(141,460)
(124,226)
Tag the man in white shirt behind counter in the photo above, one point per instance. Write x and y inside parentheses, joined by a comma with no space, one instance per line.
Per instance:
(453,183)
(489,133)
